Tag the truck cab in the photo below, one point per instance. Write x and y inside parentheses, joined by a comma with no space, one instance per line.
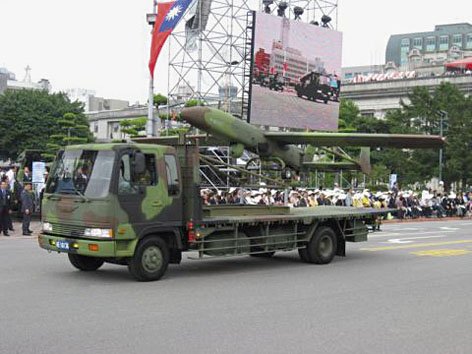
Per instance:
(312,88)
(101,199)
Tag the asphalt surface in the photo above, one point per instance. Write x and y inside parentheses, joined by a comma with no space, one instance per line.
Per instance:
(285,109)
(406,290)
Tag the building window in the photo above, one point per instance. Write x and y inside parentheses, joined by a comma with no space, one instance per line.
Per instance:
(444,43)
(418,43)
(468,44)
(430,44)
(457,40)
(404,49)
(95,127)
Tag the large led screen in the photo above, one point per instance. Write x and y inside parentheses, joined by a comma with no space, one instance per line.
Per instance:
(296,74)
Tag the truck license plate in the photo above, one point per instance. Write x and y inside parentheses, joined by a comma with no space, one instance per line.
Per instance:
(62,245)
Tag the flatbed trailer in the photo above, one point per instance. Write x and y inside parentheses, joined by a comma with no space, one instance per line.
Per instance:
(263,230)
(140,206)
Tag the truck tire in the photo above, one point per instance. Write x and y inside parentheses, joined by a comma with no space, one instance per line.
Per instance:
(84,263)
(150,259)
(321,248)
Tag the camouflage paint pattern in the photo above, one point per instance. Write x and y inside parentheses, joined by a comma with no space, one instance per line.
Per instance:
(237,131)
(281,144)
(129,218)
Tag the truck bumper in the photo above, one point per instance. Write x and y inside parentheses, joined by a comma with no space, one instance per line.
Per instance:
(92,248)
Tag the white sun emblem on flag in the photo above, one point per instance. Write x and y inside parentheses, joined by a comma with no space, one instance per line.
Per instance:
(173,13)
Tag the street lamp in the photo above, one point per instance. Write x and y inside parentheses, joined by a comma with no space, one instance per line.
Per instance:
(325,20)
(267,4)
(281,9)
(442,115)
(298,11)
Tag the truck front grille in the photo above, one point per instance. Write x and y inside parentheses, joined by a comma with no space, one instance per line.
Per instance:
(67,230)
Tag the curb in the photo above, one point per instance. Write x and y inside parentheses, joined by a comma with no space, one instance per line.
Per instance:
(396,221)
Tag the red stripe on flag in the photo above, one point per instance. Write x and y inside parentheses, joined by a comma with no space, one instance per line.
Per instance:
(159,38)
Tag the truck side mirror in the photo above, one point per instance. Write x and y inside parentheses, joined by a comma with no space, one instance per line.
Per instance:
(139,163)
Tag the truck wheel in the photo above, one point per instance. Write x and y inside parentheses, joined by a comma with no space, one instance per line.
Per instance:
(150,259)
(321,249)
(87,264)
(263,255)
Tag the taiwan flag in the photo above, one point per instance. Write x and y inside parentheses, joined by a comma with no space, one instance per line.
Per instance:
(168,15)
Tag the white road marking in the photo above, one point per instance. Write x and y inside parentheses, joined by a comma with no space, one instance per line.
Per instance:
(408,239)
(407,229)
(449,228)
(416,233)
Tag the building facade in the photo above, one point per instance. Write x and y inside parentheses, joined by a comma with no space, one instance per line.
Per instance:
(93,103)
(445,43)
(8,81)
(291,63)
(411,60)
(350,72)
(376,98)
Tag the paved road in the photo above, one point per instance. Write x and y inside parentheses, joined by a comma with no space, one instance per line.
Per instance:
(284,109)
(407,290)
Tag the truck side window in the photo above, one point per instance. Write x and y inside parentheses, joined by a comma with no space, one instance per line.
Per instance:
(172,175)
(149,177)
(125,182)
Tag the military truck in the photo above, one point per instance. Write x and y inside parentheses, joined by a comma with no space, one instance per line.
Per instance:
(139,205)
(312,88)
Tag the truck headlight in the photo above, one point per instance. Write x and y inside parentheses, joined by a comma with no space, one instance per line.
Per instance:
(47,227)
(98,233)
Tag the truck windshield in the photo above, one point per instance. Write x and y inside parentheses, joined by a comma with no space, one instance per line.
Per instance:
(83,172)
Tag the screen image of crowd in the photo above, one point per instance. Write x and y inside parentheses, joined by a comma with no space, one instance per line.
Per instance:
(406,204)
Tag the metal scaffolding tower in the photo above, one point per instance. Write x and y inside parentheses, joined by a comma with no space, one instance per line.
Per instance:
(210,51)
(210,63)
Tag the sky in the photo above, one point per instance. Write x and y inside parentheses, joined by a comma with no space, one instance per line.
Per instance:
(103,45)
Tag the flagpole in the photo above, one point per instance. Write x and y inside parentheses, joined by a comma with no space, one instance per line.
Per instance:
(150,124)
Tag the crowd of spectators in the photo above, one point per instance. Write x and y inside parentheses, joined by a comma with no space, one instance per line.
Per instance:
(406,204)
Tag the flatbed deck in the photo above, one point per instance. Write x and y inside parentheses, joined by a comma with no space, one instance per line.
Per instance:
(256,213)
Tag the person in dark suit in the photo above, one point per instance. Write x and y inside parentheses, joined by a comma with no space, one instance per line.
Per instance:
(27,177)
(5,207)
(27,207)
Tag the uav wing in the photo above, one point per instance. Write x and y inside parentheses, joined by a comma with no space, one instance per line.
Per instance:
(358,139)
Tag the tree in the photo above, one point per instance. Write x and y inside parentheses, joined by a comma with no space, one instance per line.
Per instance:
(133,127)
(349,113)
(194,102)
(74,131)
(423,116)
(32,119)
(160,100)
